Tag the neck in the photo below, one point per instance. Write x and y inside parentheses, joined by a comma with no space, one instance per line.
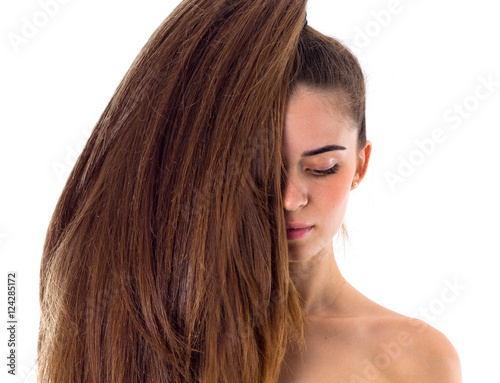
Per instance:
(319,283)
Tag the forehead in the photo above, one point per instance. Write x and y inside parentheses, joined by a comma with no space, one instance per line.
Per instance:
(315,118)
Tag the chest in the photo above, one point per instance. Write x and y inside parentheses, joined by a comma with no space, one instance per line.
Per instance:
(343,355)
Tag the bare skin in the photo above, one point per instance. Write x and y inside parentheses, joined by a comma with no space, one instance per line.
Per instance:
(349,338)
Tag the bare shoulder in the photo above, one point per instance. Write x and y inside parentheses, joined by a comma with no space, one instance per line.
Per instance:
(426,354)
(408,349)
(374,344)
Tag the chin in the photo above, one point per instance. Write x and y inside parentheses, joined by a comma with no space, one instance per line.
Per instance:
(297,253)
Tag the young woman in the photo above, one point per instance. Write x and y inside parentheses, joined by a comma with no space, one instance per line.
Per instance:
(192,241)
(349,338)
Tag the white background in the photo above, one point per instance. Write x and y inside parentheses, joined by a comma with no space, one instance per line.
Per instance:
(422,59)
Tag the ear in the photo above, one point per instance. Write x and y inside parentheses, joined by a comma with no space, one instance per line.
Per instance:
(362,163)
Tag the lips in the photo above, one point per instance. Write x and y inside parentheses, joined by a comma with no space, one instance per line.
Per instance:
(295,231)
(297,225)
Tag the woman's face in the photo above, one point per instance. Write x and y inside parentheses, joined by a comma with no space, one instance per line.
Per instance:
(313,121)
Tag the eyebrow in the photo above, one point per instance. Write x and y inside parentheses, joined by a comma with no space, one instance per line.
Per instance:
(327,148)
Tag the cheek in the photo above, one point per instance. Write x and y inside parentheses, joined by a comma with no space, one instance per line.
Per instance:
(334,192)
(331,206)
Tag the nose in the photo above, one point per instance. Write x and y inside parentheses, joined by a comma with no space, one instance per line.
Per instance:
(294,194)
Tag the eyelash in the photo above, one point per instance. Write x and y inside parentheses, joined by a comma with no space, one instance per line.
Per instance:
(322,173)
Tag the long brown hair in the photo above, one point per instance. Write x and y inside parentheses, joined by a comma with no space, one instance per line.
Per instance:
(166,256)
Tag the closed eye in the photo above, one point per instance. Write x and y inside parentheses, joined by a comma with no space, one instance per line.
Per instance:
(321,173)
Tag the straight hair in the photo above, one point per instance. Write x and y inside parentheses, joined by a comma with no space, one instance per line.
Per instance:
(166,256)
